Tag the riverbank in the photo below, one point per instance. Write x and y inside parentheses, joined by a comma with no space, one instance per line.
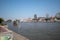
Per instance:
(15,35)
(19,37)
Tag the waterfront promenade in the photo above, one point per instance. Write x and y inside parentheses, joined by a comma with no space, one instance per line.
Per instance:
(19,37)
(15,35)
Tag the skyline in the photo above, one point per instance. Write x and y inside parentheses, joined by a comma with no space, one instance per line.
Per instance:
(14,9)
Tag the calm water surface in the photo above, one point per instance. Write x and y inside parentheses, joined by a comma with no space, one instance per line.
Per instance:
(38,31)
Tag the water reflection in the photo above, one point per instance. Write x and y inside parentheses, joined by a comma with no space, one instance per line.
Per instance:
(15,23)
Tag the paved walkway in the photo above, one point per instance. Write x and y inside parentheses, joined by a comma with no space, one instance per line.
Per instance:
(19,37)
(15,35)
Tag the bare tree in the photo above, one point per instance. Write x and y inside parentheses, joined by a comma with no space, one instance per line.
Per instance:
(58,15)
(47,15)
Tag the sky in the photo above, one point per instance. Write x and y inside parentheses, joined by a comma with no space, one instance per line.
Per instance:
(15,9)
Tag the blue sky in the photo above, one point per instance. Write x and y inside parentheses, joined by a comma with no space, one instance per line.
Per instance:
(15,9)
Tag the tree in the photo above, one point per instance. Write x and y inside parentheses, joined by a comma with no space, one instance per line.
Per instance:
(47,15)
(9,20)
(1,20)
(58,15)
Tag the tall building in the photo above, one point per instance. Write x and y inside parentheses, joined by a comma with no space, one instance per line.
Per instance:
(35,16)
(35,19)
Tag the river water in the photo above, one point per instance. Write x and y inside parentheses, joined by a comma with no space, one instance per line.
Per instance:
(38,31)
